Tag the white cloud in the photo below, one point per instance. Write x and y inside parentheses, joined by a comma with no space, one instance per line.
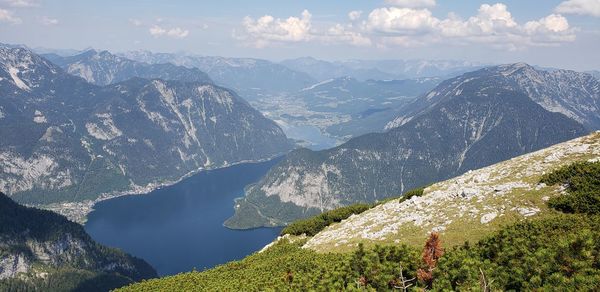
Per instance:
(493,25)
(8,17)
(21,3)
(411,3)
(339,33)
(266,29)
(48,21)
(177,32)
(400,20)
(135,22)
(354,15)
(584,7)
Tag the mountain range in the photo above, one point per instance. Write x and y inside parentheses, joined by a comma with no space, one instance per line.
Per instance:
(103,68)
(466,122)
(249,77)
(67,140)
(380,69)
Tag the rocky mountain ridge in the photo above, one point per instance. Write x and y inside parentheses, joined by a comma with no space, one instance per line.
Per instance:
(571,93)
(103,68)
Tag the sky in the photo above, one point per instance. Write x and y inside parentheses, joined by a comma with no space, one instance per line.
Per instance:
(554,33)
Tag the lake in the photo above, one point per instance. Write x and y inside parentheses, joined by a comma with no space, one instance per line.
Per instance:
(180,227)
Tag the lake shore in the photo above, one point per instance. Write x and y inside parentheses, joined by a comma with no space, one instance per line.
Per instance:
(78,211)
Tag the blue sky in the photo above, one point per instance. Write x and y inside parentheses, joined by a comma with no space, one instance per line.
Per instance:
(561,33)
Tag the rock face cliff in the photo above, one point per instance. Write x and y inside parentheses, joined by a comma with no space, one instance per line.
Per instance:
(41,250)
(66,140)
(465,123)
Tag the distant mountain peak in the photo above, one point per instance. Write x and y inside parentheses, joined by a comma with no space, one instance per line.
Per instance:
(509,69)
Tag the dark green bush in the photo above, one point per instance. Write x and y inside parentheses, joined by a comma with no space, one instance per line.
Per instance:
(412,193)
(313,225)
(556,254)
(582,180)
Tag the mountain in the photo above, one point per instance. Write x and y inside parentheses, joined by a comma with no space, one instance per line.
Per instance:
(104,68)
(470,121)
(249,77)
(324,70)
(571,93)
(594,73)
(417,68)
(43,251)
(380,69)
(66,140)
(58,52)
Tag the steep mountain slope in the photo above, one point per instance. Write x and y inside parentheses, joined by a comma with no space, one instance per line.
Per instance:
(249,77)
(103,68)
(481,122)
(41,250)
(65,140)
(465,207)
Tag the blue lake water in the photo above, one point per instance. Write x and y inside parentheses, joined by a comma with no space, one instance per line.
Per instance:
(180,227)
(310,134)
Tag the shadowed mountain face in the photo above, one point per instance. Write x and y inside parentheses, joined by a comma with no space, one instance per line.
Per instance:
(65,139)
(41,250)
(465,123)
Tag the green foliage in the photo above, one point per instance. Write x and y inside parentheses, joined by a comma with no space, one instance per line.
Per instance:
(67,279)
(41,225)
(412,193)
(560,254)
(583,188)
(288,267)
(314,225)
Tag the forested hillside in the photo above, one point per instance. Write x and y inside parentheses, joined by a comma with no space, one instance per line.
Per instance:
(43,251)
